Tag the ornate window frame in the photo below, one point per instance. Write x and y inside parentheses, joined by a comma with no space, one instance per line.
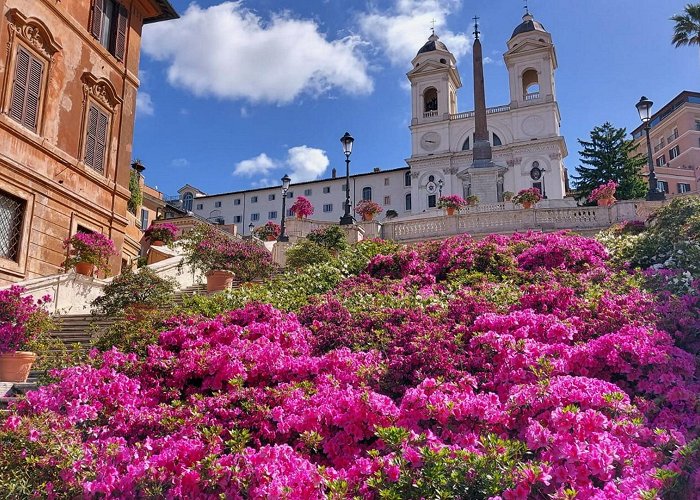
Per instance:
(36,38)
(101,93)
(18,268)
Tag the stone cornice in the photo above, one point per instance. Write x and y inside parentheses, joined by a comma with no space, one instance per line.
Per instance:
(33,32)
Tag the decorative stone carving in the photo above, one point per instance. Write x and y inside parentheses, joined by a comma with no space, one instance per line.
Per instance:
(101,90)
(33,32)
(555,156)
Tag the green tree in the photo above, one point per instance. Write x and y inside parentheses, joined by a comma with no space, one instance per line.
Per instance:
(610,156)
(687,28)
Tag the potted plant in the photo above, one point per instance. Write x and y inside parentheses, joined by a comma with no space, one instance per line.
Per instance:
(21,321)
(136,292)
(87,252)
(508,195)
(302,208)
(391,214)
(269,231)
(527,197)
(472,200)
(368,209)
(161,234)
(219,257)
(604,194)
(451,203)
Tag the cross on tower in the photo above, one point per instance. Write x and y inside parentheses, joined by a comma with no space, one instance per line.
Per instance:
(527,10)
(433,25)
(476,27)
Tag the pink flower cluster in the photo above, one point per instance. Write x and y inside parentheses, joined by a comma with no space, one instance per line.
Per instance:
(302,207)
(161,231)
(94,248)
(603,191)
(16,317)
(532,339)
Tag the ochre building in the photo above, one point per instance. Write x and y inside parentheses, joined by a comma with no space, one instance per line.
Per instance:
(68,83)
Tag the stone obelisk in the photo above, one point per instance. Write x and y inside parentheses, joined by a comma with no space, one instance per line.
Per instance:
(482,145)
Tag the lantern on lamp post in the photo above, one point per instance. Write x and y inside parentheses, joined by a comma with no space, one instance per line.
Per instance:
(644,109)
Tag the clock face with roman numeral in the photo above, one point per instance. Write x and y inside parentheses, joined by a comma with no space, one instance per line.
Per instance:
(430,141)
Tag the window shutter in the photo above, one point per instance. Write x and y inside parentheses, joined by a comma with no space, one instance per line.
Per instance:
(19,88)
(91,137)
(96,26)
(31,111)
(122,27)
(101,143)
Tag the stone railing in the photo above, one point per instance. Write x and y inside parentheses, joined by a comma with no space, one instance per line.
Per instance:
(489,111)
(502,219)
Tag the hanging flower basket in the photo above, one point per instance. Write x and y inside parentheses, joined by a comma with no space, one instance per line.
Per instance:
(15,366)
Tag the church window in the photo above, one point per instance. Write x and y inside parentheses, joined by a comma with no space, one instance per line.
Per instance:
(407,179)
(531,85)
(467,144)
(367,193)
(408,202)
(432,201)
(497,140)
(187,201)
(443,61)
(430,99)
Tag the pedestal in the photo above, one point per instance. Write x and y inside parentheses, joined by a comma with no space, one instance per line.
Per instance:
(484,183)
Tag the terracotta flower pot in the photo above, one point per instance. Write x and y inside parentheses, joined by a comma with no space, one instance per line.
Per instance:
(157,243)
(528,204)
(85,268)
(367,217)
(219,280)
(450,210)
(299,216)
(271,237)
(140,311)
(606,202)
(15,366)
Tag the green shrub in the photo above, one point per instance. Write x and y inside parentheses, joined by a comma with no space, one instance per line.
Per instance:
(133,335)
(141,287)
(332,238)
(307,253)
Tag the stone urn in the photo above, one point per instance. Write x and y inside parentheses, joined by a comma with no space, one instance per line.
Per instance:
(219,280)
(85,268)
(450,210)
(15,366)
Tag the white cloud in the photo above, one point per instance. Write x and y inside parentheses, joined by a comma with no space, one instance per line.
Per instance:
(488,60)
(306,163)
(303,163)
(179,162)
(260,165)
(229,52)
(144,104)
(402,30)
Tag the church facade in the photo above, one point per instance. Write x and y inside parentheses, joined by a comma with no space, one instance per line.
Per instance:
(527,147)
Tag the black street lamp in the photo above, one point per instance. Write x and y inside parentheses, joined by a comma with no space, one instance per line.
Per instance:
(644,108)
(347,141)
(285,186)
(440,184)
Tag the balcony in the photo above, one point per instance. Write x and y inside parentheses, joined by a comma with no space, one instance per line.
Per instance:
(430,114)
(489,111)
(532,97)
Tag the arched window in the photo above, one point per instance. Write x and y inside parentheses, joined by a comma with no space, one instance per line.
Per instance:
(408,202)
(367,193)
(430,99)
(531,85)
(497,141)
(407,179)
(187,201)
(467,144)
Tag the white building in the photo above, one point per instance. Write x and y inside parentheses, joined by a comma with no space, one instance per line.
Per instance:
(528,150)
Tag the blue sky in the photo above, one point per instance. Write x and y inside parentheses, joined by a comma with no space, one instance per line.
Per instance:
(236,94)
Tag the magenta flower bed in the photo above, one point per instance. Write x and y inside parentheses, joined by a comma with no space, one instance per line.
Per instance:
(532,342)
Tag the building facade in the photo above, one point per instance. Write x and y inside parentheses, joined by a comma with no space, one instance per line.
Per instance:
(528,150)
(675,143)
(68,83)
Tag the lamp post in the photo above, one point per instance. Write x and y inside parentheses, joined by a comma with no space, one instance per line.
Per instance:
(285,186)
(644,108)
(440,184)
(347,141)
(251,226)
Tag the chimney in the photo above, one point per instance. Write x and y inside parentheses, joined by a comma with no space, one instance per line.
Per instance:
(377,169)
(334,173)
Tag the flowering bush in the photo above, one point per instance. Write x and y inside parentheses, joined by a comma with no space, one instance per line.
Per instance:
(209,249)
(508,195)
(141,287)
(268,230)
(471,200)
(21,319)
(302,207)
(332,238)
(163,231)
(368,208)
(452,201)
(93,248)
(531,195)
(603,191)
(527,366)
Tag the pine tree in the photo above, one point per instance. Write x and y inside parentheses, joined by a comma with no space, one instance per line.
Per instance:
(610,156)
